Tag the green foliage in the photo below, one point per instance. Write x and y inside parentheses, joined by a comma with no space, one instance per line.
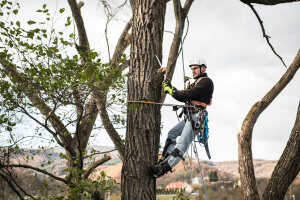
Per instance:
(45,68)
(38,62)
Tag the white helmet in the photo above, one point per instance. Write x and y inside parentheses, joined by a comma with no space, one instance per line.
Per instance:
(198,61)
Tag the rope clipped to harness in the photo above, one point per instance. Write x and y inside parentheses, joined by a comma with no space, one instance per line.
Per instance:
(201,127)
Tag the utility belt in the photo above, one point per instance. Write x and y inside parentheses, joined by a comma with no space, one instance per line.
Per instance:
(194,107)
(198,103)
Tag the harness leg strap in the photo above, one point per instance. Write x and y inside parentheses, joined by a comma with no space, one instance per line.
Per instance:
(175,153)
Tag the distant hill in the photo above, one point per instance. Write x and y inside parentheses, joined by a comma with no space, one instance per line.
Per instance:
(227,170)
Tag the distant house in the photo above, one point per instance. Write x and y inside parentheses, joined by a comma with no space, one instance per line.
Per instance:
(180,186)
(195,180)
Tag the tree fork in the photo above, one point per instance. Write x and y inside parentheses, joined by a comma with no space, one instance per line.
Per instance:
(246,169)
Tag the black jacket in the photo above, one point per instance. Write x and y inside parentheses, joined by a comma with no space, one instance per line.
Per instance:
(202,91)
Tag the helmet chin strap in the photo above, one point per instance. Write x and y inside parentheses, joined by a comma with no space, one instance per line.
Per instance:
(200,72)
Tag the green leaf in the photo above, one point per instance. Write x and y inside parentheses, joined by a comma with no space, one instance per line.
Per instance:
(62,10)
(44,6)
(18,23)
(30,22)
(15,11)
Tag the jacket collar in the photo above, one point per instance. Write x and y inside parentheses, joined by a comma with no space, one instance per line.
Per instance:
(201,75)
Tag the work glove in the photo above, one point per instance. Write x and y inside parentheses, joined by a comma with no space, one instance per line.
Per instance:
(168,88)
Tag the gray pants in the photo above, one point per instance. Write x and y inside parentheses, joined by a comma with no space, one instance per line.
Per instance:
(184,130)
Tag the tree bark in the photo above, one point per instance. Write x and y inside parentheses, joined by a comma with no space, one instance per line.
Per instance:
(246,169)
(143,121)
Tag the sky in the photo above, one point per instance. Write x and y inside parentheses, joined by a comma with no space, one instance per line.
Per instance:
(228,36)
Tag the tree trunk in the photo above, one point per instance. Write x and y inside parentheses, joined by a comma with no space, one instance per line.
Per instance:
(143,121)
(288,166)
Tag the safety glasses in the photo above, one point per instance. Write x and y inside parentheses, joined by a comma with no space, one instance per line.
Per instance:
(194,68)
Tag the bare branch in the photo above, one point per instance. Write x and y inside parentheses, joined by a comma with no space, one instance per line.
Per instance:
(268,2)
(87,122)
(45,126)
(12,186)
(124,65)
(20,188)
(99,153)
(95,165)
(39,170)
(264,32)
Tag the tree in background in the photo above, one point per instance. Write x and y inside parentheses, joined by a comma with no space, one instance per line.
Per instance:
(58,92)
(288,166)
(213,176)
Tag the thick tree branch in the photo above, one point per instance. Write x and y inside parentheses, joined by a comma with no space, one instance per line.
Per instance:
(87,122)
(246,169)
(90,114)
(94,165)
(83,39)
(264,32)
(288,166)
(123,42)
(111,131)
(268,2)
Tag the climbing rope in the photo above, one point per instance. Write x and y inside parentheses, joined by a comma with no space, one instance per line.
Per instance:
(196,153)
(163,104)
(189,117)
(181,42)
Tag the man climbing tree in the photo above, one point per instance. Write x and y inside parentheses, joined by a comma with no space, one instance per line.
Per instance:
(144,84)
(197,96)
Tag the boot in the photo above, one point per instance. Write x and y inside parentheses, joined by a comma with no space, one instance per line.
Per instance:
(160,169)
